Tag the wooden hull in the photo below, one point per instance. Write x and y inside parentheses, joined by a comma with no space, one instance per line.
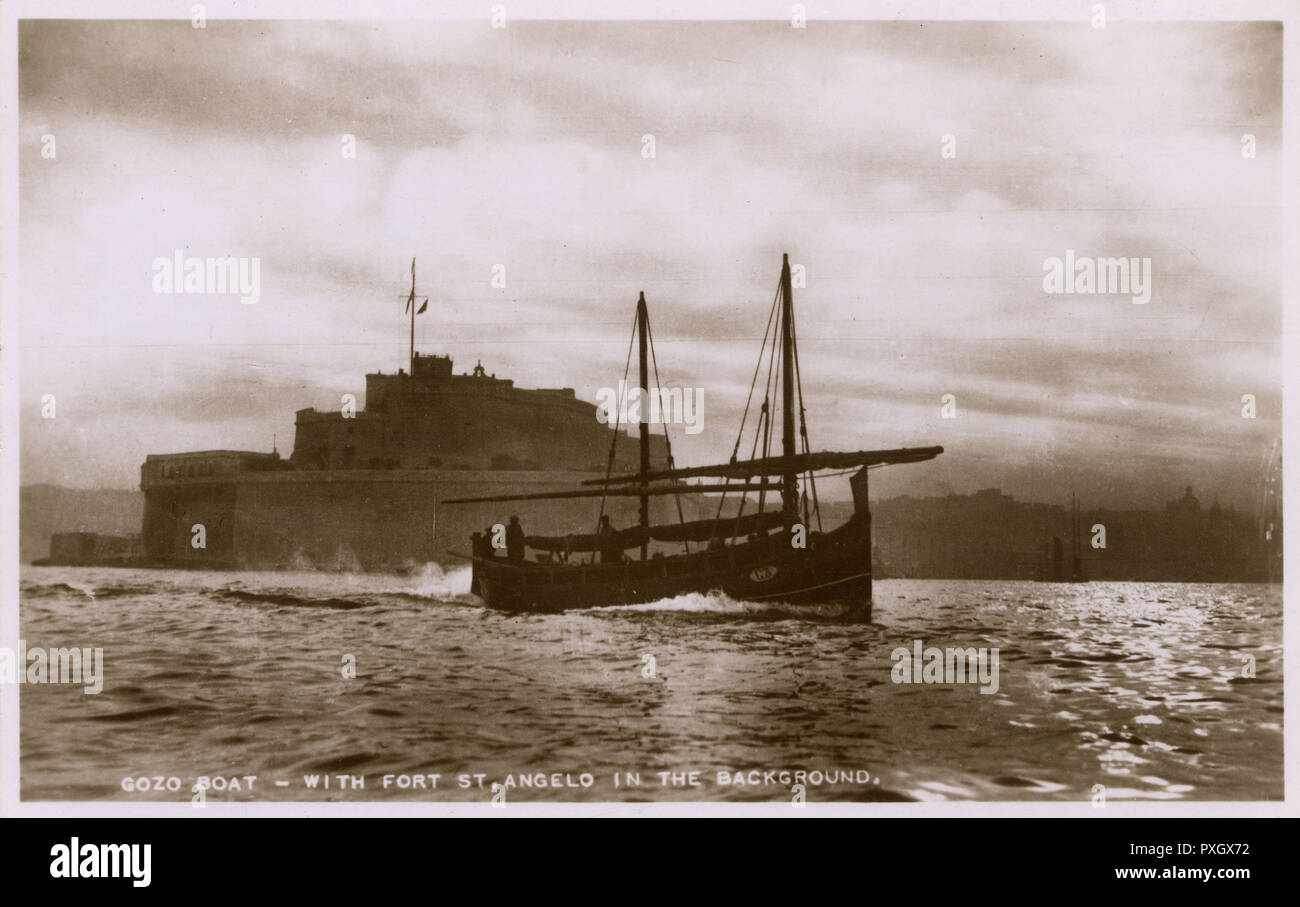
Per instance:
(834,568)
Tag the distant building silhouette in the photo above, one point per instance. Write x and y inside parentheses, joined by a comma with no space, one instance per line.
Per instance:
(1187,504)
(990,535)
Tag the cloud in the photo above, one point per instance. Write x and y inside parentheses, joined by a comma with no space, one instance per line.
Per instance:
(523,148)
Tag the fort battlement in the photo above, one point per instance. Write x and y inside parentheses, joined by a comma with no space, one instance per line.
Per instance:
(434,418)
(201,464)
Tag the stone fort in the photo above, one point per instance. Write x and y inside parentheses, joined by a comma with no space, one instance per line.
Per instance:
(433,418)
(360,490)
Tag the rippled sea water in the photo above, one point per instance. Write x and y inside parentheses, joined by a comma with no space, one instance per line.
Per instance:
(1138,687)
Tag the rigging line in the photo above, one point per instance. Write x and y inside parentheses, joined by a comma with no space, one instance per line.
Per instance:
(769,391)
(764,416)
(757,365)
(668,444)
(740,433)
(764,425)
(803,425)
(613,444)
(764,429)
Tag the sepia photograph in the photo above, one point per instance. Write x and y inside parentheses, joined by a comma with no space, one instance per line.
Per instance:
(496,409)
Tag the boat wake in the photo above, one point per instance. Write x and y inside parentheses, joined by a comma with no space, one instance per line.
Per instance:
(425,584)
(719,603)
(432,581)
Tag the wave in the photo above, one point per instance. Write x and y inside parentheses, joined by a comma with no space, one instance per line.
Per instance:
(52,590)
(121,591)
(290,599)
(49,590)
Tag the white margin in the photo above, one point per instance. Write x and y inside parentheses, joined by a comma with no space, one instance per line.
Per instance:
(1285,11)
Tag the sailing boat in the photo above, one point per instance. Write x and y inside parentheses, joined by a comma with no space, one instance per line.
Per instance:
(771,556)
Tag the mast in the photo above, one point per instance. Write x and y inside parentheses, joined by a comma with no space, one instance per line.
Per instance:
(642,319)
(789,479)
(410,304)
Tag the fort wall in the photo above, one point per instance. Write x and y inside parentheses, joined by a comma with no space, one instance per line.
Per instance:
(372,520)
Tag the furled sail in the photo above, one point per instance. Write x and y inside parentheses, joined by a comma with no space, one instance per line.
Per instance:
(777,466)
(620,539)
(724,528)
(611,492)
(693,531)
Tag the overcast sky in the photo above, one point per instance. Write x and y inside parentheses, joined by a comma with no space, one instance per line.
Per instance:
(523,147)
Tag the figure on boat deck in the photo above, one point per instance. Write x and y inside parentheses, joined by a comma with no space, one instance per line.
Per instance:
(515,540)
(607,543)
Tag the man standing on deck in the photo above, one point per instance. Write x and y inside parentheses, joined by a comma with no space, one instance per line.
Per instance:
(606,544)
(515,540)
